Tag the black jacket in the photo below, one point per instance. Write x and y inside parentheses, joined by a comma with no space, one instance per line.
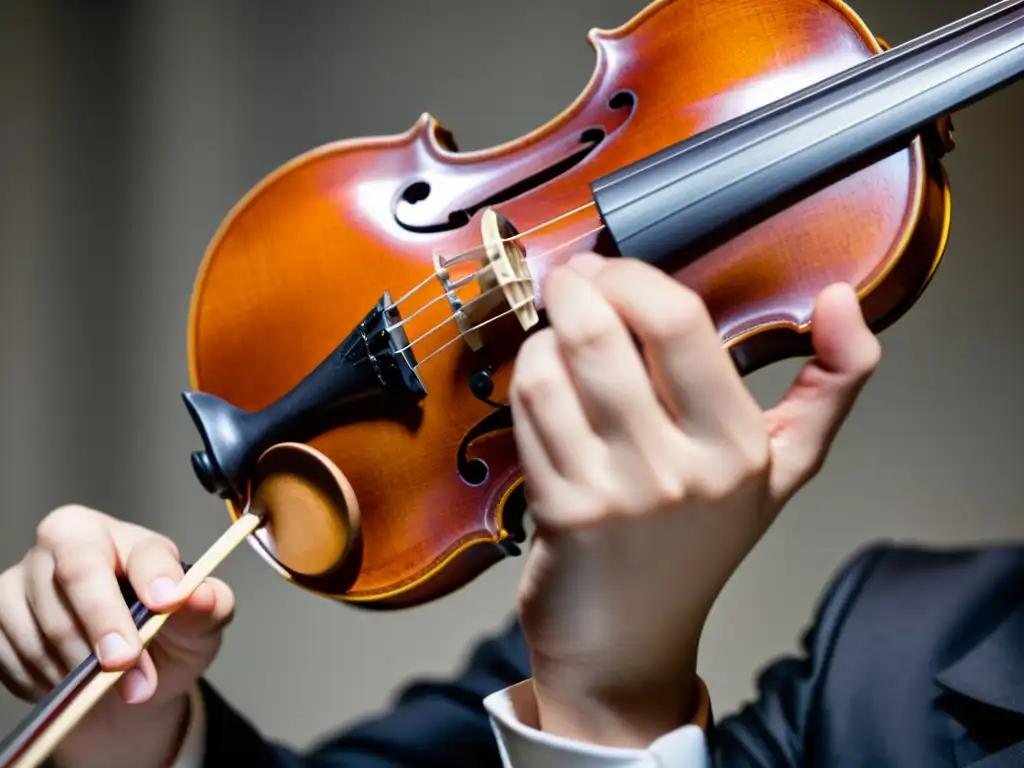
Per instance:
(915,659)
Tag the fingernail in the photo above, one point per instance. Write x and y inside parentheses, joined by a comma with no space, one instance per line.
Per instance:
(112,648)
(135,686)
(586,264)
(163,590)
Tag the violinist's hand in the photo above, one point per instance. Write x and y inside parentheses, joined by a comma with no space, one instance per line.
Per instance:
(651,475)
(62,602)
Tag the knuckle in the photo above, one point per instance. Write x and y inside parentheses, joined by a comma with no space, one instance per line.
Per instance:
(135,536)
(61,631)
(131,538)
(611,501)
(73,563)
(151,557)
(589,333)
(591,326)
(664,483)
(588,511)
(753,456)
(36,657)
(536,388)
(711,486)
(578,507)
(686,316)
(55,527)
(156,542)
(668,489)
(732,471)
(534,378)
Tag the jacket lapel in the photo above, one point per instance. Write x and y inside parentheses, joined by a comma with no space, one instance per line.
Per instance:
(986,697)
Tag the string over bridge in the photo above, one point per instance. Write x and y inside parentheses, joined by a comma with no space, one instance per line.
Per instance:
(503,280)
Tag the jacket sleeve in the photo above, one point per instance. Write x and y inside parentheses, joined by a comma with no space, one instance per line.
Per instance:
(772,731)
(432,724)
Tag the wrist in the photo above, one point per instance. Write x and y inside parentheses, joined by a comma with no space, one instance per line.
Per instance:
(628,716)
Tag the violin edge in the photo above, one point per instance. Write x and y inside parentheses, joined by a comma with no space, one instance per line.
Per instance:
(910,265)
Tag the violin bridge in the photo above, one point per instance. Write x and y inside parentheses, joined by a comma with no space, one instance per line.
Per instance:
(465,314)
(503,281)
(506,260)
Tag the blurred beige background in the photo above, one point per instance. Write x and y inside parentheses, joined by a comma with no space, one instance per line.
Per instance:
(128,130)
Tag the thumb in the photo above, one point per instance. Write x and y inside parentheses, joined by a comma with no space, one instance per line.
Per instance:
(804,424)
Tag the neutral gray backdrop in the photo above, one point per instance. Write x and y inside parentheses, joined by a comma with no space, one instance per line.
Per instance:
(128,130)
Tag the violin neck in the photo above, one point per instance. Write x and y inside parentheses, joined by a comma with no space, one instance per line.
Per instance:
(673,200)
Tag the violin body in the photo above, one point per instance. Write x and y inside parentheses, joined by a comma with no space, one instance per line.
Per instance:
(314,247)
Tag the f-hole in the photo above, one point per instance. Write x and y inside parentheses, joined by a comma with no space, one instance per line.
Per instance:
(417,209)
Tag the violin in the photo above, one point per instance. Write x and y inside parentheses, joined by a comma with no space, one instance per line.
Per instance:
(356,318)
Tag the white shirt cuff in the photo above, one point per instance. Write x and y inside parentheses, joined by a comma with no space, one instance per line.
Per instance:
(193,747)
(523,746)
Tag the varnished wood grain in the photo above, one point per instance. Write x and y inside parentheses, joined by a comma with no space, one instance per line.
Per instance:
(303,257)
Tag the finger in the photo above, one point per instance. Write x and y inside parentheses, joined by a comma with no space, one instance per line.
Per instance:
(153,566)
(210,608)
(53,611)
(542,390)
(690,365)
(85,571)
(19,626)
(540,473)
(553,502)
(805,423)
(14,673)
(609,373)
(139,683)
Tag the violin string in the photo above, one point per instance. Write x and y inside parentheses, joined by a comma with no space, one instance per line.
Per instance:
(450,293)
(450,318)
(567,243)
(479,297)
(461,257)
(443,347)
(483,295)
(461,283)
